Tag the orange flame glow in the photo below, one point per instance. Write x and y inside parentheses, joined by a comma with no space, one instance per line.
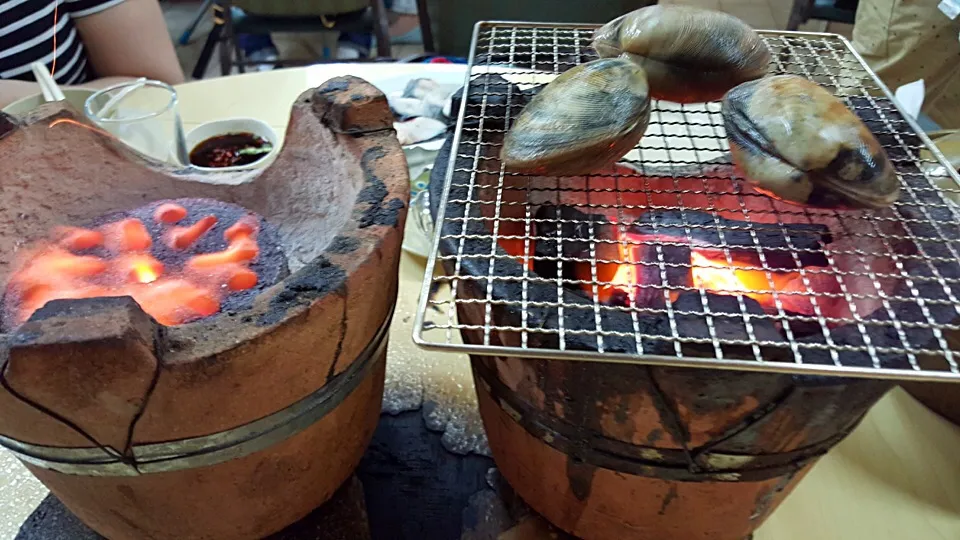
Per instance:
(169,213)
(72,122)
(618,276)
(57,271)
(706,273)
(184,237)
(735,279)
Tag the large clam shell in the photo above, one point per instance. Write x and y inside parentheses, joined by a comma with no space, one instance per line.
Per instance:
(584,120)
(796,142)
(690,54)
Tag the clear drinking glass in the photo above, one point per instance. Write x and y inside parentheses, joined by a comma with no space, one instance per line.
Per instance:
(144,115)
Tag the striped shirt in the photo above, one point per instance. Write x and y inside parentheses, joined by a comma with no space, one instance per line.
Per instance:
(27,29)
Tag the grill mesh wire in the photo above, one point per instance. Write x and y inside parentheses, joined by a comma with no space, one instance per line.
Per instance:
(889,311)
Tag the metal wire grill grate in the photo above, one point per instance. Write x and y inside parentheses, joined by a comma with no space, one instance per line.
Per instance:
(669,258)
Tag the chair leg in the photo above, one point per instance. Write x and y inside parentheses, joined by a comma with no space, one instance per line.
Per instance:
(222,14)
(207,52)
(226,54)
(799,14)
(201,13)
(240,57)
(381,27)
(426,28)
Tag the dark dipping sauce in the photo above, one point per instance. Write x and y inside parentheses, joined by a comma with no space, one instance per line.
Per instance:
(229,150)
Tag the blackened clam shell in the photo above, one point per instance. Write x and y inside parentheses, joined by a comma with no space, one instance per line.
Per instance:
(690,54)
(582,121)
(796,142)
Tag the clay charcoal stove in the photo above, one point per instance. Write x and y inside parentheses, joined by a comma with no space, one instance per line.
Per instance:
(195,355)
(669,260)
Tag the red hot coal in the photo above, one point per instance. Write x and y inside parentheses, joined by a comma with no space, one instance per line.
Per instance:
(180,260)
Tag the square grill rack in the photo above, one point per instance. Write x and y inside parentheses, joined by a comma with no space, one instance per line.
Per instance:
(908,337)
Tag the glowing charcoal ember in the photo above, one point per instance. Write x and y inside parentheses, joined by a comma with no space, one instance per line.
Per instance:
(662,255)
(244,227)
(54,261)
(188,273)
(77,239)
(127,235)
(655,274)
(784,247)
(244,249)
(139,267)
(177,301)
(733,277)
(36,297)
(169,213)
(242,279)
(184,237)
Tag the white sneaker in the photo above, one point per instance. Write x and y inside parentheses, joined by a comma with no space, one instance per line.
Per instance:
(346,52)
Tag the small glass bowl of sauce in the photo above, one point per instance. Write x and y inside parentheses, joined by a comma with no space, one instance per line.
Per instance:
(232,144)
(230,150)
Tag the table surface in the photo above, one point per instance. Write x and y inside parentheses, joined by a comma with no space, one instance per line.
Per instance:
(896,477)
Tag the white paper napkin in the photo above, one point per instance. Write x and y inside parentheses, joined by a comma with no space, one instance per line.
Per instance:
(910,98)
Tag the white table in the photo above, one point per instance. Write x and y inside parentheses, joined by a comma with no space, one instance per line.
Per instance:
(897,477)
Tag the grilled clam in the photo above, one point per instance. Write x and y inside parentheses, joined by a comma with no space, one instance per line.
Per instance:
(796,142)
(582,121)
(690,54)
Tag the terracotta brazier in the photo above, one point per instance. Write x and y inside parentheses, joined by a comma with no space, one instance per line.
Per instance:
(614,452)
(240,423)
(617,451)
(941,398)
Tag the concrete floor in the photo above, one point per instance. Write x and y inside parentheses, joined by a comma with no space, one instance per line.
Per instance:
(22,493)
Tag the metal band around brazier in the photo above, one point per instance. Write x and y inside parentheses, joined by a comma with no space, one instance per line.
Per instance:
(208,449)
(650,461)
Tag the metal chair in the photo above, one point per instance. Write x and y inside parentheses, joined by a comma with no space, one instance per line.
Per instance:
(842,11)
(305,16)
(201,13)
(298,16)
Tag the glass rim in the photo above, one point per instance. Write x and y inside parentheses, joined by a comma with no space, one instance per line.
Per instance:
(88,109)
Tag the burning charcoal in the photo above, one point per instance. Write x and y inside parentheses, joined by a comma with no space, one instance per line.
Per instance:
(802,328)
(670,268)
(806,241)
(217,258)
(574,230)
(729,327)
(672,263)
(490,95)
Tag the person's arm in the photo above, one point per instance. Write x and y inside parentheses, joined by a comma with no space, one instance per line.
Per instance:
(123,42)
(130,39)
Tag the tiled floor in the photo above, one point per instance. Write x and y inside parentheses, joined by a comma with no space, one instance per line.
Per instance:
(762,14)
